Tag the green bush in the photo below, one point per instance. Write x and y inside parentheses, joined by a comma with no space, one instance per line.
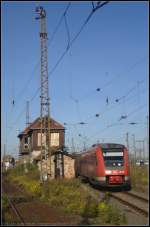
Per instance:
(20,169)
(90,208)
(110,214)
(32,186)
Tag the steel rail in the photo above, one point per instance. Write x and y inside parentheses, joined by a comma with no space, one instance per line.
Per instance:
(13,207)
(130,204)
(137,196)
(15,210)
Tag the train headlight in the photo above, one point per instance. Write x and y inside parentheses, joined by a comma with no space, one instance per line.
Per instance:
(127,178)
(107,171)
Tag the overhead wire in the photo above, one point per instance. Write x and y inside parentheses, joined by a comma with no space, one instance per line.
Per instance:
(131,67)
(131,113)
(67,30)
(71,43)
(117,104)
(21,93)
(59,23)
(101,113)
(114,105)
(75,37)
(105,128)
(23,110)
(100,89)
(132,89)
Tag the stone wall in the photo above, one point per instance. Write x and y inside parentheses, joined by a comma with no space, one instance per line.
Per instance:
(69,171)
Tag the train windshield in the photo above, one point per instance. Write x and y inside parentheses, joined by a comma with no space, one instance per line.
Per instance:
(113,157)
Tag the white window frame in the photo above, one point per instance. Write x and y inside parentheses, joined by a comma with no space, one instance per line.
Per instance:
(54,139)
(39,139)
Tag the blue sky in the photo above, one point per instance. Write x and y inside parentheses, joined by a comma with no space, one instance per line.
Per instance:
(111,53)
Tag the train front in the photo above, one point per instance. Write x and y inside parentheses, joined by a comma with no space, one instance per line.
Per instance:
(114,165)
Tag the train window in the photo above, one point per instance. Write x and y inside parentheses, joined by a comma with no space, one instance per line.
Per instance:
(113,157)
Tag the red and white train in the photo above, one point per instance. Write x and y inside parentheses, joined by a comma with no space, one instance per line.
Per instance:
(104,164)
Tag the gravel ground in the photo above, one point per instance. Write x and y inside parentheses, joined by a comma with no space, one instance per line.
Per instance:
(39,213)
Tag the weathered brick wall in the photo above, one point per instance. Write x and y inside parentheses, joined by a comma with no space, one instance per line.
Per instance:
(69,171)
(48,166)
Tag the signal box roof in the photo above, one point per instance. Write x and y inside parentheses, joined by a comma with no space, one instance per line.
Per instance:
(37,125)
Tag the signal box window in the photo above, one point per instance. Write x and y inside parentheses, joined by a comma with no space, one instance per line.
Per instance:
(54,139)
(43,139)
(26,142)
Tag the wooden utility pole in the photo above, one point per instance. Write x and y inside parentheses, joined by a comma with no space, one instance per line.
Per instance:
(73,147)
(140,148)
(127,140)
(127,144)
(4,150)
(27,113)
(147,134)
(134,147)
(143,149)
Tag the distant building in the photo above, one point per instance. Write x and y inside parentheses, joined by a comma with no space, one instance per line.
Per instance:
(8,162)
(30,138)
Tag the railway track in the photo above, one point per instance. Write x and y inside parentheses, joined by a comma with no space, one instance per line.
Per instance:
(135,201)
(20,220)
(133,194)
(15,213)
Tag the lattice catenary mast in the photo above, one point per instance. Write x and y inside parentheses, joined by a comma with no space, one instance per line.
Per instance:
(45,101)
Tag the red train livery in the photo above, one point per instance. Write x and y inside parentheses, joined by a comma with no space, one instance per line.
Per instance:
(105,165)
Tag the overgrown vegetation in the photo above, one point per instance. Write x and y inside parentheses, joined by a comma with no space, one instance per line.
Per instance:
(28,177)
(6,216)
(139,178)
(66,194)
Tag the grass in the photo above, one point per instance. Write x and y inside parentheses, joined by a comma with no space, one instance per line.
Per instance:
(139,178)
(6,216)
(68,195)
(29,180)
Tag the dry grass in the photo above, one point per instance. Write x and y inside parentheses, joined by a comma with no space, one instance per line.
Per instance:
(139,178)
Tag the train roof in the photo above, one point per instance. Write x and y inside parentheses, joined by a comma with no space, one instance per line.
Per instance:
(102,145)
(108,145)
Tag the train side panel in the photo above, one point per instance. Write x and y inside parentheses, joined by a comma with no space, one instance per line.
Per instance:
(100,168)
(85,165)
